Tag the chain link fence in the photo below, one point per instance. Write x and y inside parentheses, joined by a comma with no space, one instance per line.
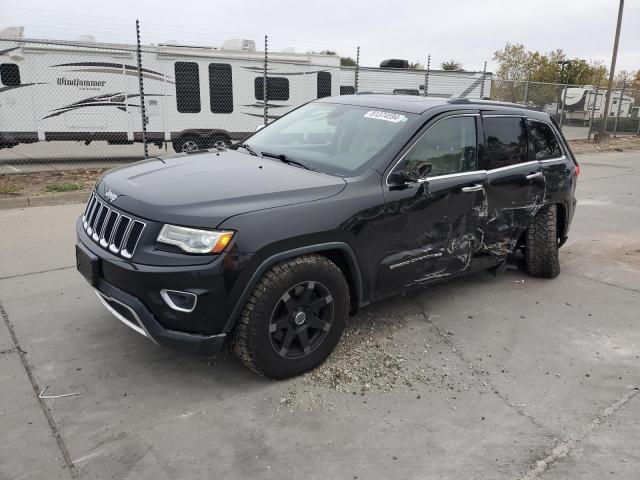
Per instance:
(81,103)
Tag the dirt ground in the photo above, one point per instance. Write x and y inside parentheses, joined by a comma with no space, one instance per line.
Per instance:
(41,183)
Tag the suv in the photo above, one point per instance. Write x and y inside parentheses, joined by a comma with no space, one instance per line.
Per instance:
(268,245)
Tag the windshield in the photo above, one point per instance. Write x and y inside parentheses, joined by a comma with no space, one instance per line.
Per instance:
(331,138)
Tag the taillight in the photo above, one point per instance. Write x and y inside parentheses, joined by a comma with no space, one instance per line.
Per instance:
(577,170)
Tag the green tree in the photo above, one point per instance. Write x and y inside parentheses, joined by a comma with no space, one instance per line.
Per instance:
(347,62)
(451,65)
(416,65)
(516,64)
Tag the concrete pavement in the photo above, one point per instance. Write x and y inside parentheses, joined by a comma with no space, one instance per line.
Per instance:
(508,377)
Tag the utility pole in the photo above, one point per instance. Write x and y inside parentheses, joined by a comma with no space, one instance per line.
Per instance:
(602,136)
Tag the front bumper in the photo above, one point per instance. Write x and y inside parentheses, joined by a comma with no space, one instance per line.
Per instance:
(130,311)
(132,292)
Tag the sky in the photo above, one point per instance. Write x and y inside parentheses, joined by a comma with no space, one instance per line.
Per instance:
(464,30)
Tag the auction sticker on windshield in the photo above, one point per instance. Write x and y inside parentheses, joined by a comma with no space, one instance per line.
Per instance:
(387,116)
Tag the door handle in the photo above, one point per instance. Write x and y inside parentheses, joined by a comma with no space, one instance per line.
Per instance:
(474,188)
(534,176)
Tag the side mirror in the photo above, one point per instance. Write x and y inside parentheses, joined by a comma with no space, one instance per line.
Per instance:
(401,177)
(259,127)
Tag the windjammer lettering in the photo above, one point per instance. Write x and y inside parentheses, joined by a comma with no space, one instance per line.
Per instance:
(76,82)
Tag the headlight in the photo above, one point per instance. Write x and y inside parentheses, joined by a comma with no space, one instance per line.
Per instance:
(194,240)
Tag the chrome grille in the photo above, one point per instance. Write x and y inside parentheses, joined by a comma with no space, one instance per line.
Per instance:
(110,228)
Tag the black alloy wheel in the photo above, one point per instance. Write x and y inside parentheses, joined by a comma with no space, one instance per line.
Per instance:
(301,320)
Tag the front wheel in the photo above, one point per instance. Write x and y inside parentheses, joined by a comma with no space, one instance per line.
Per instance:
(541,249)
(294,317)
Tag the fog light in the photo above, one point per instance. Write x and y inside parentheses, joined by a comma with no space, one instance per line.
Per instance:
(180,301)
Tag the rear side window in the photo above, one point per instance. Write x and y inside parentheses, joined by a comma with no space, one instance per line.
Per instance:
(506,141)
(277,88)
(10,74)
(324,84)
(347,90)
(187,87)
(448,146)
(220,88)
(545,143)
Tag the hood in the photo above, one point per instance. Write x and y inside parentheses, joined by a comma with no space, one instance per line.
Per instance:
(204,189)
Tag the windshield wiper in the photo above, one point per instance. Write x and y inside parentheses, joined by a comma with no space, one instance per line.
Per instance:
(284,159)
(248,149)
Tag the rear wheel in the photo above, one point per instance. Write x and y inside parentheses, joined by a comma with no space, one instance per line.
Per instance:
(541,249)
(294,317)
(188,143)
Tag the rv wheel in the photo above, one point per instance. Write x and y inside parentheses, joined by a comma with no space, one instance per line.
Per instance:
(188,143)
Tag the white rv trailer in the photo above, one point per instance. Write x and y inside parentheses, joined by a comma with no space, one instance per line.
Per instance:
(194,96)
(579,102)
(440,83)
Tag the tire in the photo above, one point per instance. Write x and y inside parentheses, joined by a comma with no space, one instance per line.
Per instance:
(268,338)
(188,143)
(541,250)
(221,138)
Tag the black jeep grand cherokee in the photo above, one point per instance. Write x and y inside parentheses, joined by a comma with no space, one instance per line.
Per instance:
(271,243)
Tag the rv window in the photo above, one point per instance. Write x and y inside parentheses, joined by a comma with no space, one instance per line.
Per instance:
(324,84)
(220,88)
(506,141)
(277,88)
(347,90)
(545,143)
(187,87)
(10,74)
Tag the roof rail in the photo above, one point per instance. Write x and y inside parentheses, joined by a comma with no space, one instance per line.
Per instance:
(483,101)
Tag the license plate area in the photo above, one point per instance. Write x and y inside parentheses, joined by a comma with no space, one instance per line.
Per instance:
(88,265)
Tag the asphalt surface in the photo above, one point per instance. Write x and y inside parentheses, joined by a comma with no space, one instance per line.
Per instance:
(482,377)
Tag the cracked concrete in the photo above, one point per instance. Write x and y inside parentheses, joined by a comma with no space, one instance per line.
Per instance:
(511,377)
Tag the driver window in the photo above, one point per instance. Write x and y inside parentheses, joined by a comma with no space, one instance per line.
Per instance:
(448,146)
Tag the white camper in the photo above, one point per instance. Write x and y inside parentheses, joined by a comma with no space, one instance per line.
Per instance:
(439,83)
(194,96)
(580,102)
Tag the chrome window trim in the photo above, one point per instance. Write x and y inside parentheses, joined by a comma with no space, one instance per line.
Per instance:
(453,175)
(559,159)
(164,293)
(137,328)
(516,115)
(515,165)
(428,179)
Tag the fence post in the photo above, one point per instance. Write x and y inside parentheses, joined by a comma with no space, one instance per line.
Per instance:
(615,125)
(526,89)
(593,113)
(355,78)
(484,74)
(426,76)
(264,81)
(143,110)
(564,105)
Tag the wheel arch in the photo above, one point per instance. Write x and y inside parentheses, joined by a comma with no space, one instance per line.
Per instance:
(339,253)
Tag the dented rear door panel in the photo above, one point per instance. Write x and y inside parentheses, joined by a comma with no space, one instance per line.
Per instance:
(515,194)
